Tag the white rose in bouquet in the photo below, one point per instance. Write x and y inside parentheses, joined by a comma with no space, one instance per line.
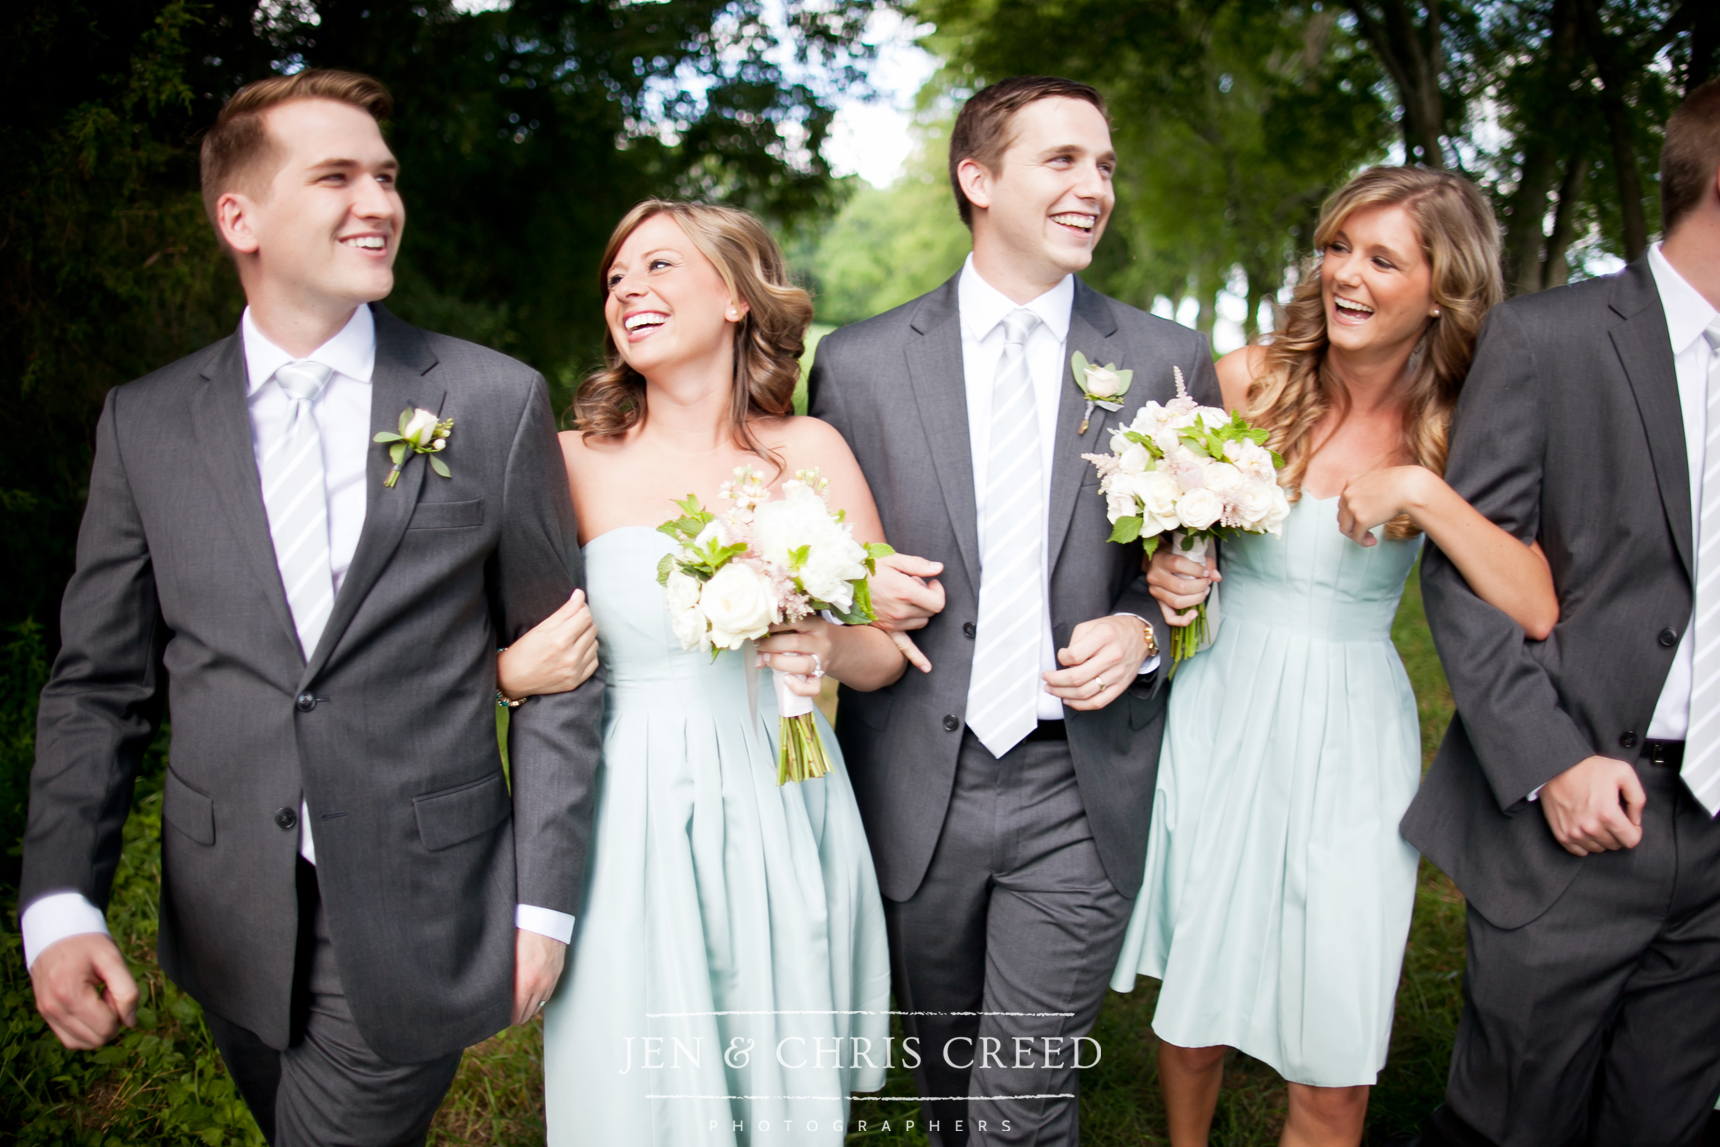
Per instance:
(739,603)
(1280,509)
(1253,460)
(1119,504)
(1158,491)
(1134,459)
(1221,478)
(1252,503)
(1199,509)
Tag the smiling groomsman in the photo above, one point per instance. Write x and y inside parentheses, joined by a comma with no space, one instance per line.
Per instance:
(1573,801)
(351,887)
(1007,791)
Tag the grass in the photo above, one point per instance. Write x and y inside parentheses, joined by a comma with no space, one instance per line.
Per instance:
(163,1083)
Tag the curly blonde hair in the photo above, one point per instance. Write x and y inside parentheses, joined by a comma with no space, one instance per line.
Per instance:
(769,339)
(1296,389)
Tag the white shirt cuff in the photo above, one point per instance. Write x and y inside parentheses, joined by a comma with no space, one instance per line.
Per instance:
(1151,663)
(54,918)
(1536,795)
(544,921)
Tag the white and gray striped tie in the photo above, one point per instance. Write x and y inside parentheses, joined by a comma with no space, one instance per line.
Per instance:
(297,503)
(1003,692)
(1702,741)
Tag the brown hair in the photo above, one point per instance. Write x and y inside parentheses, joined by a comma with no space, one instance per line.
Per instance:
(1691,155)
(982,130)
(769,338)
(1460,239)
(238,149)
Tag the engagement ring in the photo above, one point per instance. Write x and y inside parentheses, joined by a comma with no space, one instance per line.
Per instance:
(817,665)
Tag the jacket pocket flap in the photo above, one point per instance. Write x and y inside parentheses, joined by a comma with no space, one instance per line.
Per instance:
(446,515)
(188,810)
(452,815)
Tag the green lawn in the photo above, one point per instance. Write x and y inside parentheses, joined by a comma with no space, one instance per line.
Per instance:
(163,1084)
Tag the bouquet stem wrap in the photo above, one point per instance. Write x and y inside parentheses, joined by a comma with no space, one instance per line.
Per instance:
(802,756)
(1188,640)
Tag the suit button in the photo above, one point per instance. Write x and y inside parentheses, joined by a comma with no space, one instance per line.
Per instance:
(1669,637)
(286,818)
(1627,740)
(967,629)
(305,702)
(952,723)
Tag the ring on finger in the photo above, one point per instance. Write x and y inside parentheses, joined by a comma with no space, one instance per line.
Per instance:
(1100,681)
(817,665)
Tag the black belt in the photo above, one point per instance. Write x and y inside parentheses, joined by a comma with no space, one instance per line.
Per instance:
(1048,731)
(1668,753)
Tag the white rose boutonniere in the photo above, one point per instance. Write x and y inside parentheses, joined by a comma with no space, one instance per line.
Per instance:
(1102,386)
(421,433)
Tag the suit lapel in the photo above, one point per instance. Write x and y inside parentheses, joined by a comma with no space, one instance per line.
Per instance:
(935,374)
(1645,351)
(1091,325)
(403,359)
(221,423)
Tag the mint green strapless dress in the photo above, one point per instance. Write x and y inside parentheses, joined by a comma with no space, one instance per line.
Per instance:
(729,977)
(1278,892)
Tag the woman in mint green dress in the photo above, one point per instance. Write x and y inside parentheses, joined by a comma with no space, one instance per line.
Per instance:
(1278,892)
(728,982)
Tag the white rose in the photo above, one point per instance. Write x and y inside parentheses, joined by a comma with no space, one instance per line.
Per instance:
(830,569)
(1103,382)
(738,602)
(1158,491)
(1253,502)
(1199,509)
(1214,417)
(1280,509)
(1134,459)
(1222,477)
(1120,504)
(1168,441)
(421,428)
(682,590)
(690,629)
(1148,418)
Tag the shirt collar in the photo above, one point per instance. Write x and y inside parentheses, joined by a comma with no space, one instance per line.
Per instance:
(983,306)
(352,351)
(1688,314)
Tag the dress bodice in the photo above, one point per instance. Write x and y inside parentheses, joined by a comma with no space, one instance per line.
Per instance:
(1314,579)
(642,659)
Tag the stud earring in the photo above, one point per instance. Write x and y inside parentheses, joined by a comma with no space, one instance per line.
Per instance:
(1436,312)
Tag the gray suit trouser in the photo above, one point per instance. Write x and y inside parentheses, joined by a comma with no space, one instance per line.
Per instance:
(1599,1021)
(1015,915)
(328,1089)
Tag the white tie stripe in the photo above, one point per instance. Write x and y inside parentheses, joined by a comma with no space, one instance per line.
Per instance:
(1701,768)
(296,500)
(1003,692)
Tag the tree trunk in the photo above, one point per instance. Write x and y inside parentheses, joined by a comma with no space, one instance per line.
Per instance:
(1613,73)
(1414,58)
(1523,237)
(1555,270)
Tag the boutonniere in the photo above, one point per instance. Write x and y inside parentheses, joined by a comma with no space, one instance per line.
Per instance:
(421,434)
(1102,386)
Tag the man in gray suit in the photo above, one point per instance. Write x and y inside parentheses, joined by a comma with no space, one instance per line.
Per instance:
(1007,791)
(1573,800)
(350,886)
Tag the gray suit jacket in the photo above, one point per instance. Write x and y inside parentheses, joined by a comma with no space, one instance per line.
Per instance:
(893,385)
(388,731)
(1568,431)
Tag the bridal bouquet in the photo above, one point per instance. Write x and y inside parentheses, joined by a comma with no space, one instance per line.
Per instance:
(765,561)
(1196,473)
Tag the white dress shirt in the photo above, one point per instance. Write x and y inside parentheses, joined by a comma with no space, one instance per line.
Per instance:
(342,412)
(982,308)
(1688,314)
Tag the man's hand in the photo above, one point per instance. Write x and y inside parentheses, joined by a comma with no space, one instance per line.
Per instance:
(537,967)
(70,977)
(904,595)
(1101,661)
(1582,805)
(1179,584)
(903,592)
